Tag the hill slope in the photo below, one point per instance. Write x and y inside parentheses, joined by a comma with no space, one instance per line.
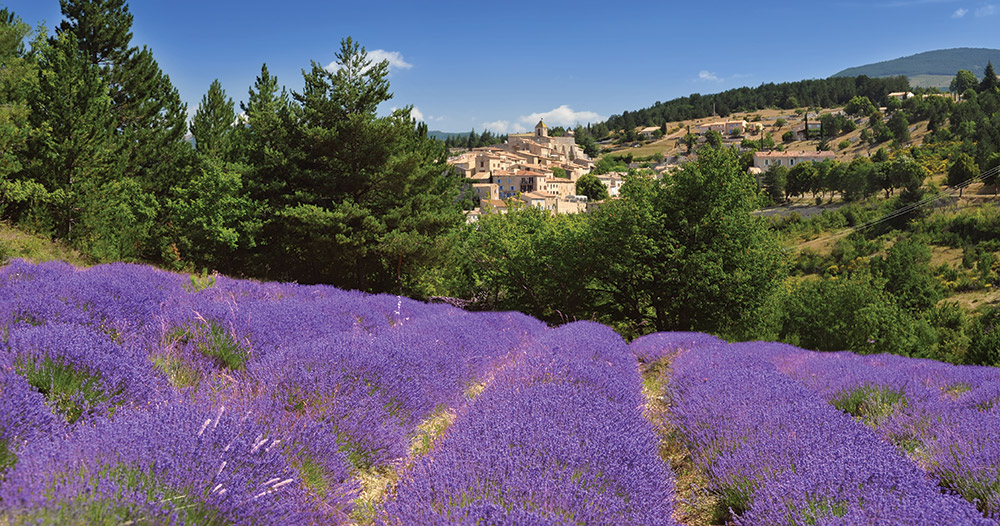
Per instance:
(938,63)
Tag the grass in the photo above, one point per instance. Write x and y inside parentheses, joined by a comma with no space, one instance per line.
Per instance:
(69,390)
(17,243)
(179,374)
(871,404)
(7,458)
(213,340)
(378,483)
(431,430)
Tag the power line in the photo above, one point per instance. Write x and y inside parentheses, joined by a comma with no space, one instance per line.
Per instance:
(952,190)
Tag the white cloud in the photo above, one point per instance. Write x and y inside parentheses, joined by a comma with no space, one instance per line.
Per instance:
(417,114)
(395,59)
(959,13)
(501,127)
(707,75)
(561,116)
(986,10)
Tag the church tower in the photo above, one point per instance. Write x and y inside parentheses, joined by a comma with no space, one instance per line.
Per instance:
(541,130)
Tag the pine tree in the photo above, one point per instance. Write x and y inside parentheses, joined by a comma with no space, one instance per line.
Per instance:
(213,122)
(147,115)
(262,138)
(147,109)
(103,29)
(18,78)
(367,195)
(989,83)
(74,151)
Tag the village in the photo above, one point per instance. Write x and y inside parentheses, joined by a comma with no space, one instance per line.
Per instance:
(541,171)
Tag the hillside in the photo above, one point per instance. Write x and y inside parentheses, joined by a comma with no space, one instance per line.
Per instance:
(441,136)
(930,68)
(134,395)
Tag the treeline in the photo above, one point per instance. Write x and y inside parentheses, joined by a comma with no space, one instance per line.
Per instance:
(309,185)
(821,93)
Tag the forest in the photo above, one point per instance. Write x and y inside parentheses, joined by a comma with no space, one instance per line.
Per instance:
(822,93)
(308,185)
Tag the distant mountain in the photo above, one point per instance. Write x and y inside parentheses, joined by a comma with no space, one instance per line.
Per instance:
(931,68)
(440,135)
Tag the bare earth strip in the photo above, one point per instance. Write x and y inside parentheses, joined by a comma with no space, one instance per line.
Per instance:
(695,504)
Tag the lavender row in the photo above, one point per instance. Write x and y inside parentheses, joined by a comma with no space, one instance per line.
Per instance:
(946,417)
(558,438)
(779,454)
(334,381)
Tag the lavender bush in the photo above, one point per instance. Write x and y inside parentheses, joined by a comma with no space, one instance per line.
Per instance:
(779,454)
(943,416)
(559,438)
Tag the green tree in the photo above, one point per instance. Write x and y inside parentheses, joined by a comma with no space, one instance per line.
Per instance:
(767,142)
(713,138)
(899,126)
(907,275)
(585,140)
(881,156)
(964,80)
(264,141)
(961,169)
(989,83)
(852,313)
(592,187)
(801,178)
(906,173)
(984,349)
(828,125)
(690,256)
(857,179)
(74,151)
(367,197)
(776,182)
(148,117)
(859,106)
(219,219)
(18,79)
(609,164)
(689,140)
(559,172)
(525,260)
(213,122)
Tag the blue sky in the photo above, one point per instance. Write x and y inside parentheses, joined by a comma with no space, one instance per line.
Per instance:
(504,65)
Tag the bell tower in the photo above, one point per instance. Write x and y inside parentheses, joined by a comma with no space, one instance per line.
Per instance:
(541,130)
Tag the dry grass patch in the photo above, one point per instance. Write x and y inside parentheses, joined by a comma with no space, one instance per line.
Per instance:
(941,255)
(16,243)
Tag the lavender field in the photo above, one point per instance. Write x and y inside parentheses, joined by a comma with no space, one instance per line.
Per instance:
(130,395)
